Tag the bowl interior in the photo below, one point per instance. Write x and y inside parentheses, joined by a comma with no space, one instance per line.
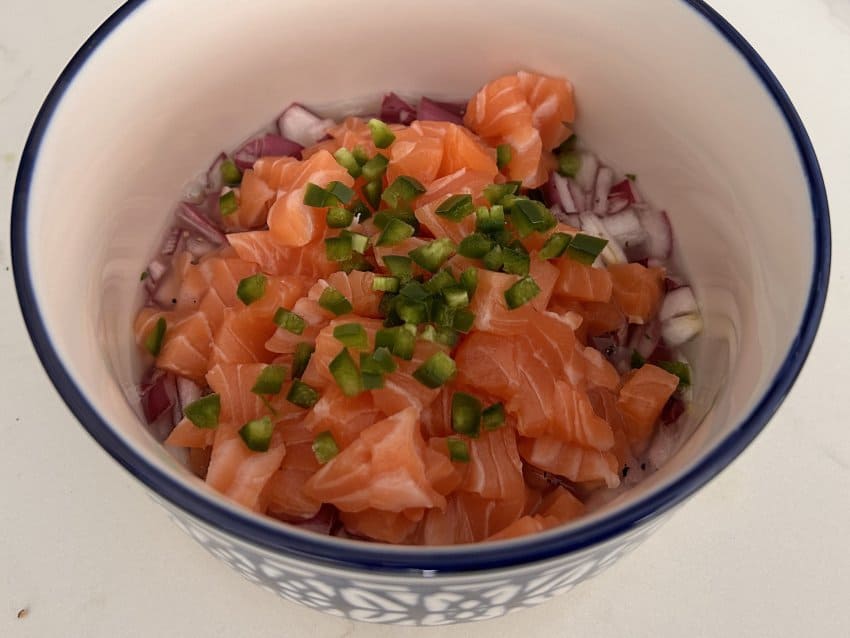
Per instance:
(660,92)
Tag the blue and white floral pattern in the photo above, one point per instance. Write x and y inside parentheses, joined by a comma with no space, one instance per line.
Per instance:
(404,599)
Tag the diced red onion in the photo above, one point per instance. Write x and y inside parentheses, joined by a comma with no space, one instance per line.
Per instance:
(301,125)
(195,219)
(321,523)
(550,191)
(586,176)
(625,227)
(199,246)
(438,111)
(156,269)
(644,338)
(613,252)
(672,283)
(673,409)
(679,330)
(604,179)
(573,220)
(159,396)
(187,391)
(169,246)
(622,195)
(659,241)
(266,145)
(678,302)
(564,193)
(394,110)
(214,179)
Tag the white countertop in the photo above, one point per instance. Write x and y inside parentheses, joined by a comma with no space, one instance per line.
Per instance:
(764,550)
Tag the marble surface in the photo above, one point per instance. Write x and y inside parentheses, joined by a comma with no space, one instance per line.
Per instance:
(762,551)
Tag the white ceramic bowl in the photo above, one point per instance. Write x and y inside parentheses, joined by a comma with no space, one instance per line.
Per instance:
(665,88)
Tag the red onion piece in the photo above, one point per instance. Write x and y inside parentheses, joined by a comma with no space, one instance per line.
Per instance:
(159,396)
(573,220)
(301,125)
(187,392)
(679,330)
(439,111)
(626,228)
(156,269)
(565,193)
(265,145)
(613,252)
(604,180)
(394,110)
(550,191)
(678,302)
(671,283)
(169,246)
(586,176)
(673,409)
(195,219)
(214,179)
(644,338)
(622,195)
(659,241)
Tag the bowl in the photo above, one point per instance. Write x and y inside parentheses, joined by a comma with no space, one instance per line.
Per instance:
(666,89)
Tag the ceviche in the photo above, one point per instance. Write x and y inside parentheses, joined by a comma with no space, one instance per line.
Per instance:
(441,323)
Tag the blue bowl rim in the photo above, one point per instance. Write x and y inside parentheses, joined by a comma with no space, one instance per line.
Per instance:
(452,560)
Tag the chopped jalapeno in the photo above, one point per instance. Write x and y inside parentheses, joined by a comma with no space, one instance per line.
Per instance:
(585,248)
(515,262)
(493,417)
(494,259)
(469,280)
(458,450)
(494,193)
(436,370)
(395,232)
(339,191)
(404,189)
(333,300)
(257,434)
(204,412)
(489,220)
(466,414)
(227,203)
(569,163)
(503,155)
(153,342)
(289,320)
(433,254)
(339,217)
(475,246)
(375,168)
(325,447)
(680,369)
(230,173)
(400,267)
(338,248)
(270,380)
(315,195)
(455,296)
(251,289)
(456,207)
(372,193)
(464,319)
(352,335)
(346,374)
(303,353)
(555,246)
(439,281)
(302,395)
(383,283)
(346,159)
(382,136)
(521,292)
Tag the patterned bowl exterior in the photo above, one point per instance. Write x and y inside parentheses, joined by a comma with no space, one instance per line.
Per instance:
(416,598)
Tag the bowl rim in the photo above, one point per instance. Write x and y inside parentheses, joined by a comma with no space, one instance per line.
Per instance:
(449,560)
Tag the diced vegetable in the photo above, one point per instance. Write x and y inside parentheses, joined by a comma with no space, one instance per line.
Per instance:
(339,217)
(515,262)
(503,155)
(489,220)
(400,267)
(463,320)
(302,395)
(257,434)
(372,193)
(493,417)
(382,136)
(395,232)
(153,342)
(359,242)
(352,335)
(494,193)
(555,245)
(585,248)
(410,311)
(204,412)
(475,246)
(251,289)
(270,380)
(439,281)
(375,167)
(345,373)
(433,254)
(680,369)
(403,190)
(303,352)
(456,207)
(569,163)
(333,300)
(458,450)
(345,158)
(521,292)
(338,248)
(230,173)
(466,414)
(227,203)
(382,283)
(436,370)
(340,192)
(494,259)
(325,447)
(469,280)
(315,196)
(455,296)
